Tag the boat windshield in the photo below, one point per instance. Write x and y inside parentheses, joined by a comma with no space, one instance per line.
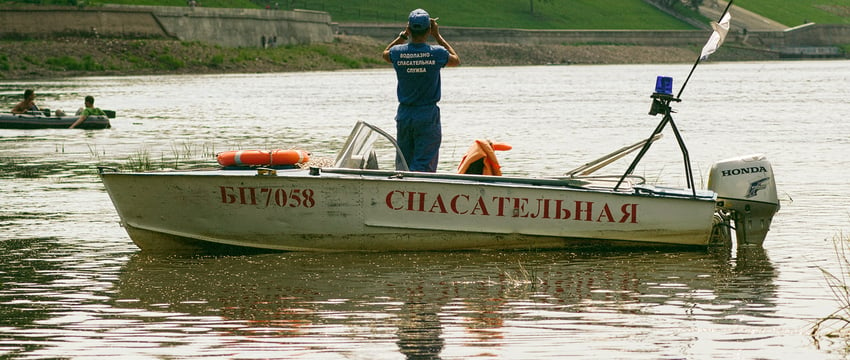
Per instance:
(369,147)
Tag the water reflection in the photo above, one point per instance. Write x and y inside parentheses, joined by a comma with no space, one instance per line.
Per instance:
(413,299)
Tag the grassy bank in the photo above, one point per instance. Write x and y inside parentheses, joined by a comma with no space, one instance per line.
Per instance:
(526,14)
(798,12)
(88,56)
(79,56)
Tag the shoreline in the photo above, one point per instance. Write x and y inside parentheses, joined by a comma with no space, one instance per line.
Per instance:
(63,57)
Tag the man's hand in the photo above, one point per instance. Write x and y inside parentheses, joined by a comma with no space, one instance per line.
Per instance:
(435,30)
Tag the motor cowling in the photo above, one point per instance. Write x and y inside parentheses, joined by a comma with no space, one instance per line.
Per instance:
(746,190)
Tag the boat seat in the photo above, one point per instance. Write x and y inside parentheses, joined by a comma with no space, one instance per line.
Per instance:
(480,158)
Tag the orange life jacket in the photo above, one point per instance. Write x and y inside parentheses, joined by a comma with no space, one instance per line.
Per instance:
(481,158)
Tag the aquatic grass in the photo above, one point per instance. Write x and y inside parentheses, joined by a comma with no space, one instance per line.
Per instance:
(837,324)
(93,151)
(139,161)
(182,155)
(27,172)
(188,152)
(521,277)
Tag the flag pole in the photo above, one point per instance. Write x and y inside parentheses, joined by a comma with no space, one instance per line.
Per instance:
(699,57)
(661,104)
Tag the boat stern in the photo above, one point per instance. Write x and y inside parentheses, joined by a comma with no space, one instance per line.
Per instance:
(746,191)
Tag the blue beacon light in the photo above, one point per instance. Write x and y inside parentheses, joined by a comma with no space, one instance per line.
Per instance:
(664,85)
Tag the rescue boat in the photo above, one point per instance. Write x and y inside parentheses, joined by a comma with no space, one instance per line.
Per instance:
(370,201)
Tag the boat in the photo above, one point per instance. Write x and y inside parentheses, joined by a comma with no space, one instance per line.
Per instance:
(368,200)
(43,120)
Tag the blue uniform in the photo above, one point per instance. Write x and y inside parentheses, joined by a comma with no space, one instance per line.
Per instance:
(419,133)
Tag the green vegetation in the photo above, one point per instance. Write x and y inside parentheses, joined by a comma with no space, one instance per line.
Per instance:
(80,55)
(546,14)
(525,14)
(36,58)
(837,324)
(82,3)
(555,14)
(798,12)
(64,63)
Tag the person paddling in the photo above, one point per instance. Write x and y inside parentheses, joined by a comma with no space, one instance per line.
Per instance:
(90,110)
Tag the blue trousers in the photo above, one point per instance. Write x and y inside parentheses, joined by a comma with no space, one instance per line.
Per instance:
(419,135)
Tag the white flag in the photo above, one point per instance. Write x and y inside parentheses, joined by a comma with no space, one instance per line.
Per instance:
(717,37)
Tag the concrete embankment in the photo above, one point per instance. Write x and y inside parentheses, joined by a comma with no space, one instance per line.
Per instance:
(810,39)
(263,28)
(224,27)
(137,41)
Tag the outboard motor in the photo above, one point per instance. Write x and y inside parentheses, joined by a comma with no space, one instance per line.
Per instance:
(746,189)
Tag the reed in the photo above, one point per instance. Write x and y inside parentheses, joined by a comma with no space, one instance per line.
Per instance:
(139,161)
(182,155)
(94,152)
(521,277)
(837,324)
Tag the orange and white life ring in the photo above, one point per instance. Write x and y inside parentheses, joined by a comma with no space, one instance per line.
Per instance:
(262,157)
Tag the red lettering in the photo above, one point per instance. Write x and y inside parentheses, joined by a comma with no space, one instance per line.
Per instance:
(559,210)
(459,204)
(280,197)
(542,204)
(519,207)
(606,213)
(500,206)
(480,206)
(629,212)
(273,196)
(438,203)
(226,196)
(309,201)
(411,200)
(268,193)
(454,204)
(584,209)
(390,199)
(295,194)
(252,196)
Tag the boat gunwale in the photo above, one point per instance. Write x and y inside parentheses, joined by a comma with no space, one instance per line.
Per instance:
(37,121)
(576,184)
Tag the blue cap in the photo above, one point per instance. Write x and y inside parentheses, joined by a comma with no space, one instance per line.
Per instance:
(419,20)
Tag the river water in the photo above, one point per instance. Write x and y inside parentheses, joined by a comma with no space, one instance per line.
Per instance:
(74,285)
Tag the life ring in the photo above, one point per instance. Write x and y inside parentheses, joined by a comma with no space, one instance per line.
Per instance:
(262,157)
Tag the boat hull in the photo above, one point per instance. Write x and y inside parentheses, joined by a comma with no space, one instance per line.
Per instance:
(26,121)
(293,210)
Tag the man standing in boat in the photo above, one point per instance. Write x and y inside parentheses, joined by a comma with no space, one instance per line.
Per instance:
(417,65)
